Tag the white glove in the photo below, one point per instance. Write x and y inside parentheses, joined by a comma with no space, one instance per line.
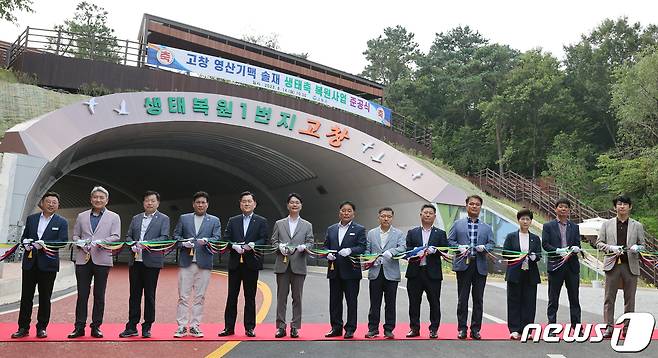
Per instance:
(38,244)
(637,248)
(26,241)
(202,241)
(575,249)
(562,251)
(139,245)
(462,248)
(238,248)
(480,248)
(615,249)
(331,256)
(378,261)
(431,250)
(27,247)
(284,249)
(81,243)
(387,254)
(345,252)
(532,256)
(136,249)
(188,244)
(250,246)
(301,248)
(96,242)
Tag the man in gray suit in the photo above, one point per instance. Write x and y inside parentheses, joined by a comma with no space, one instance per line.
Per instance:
(623,237)
(473,238)
(292,235)
(384,275)
(92,227)
(151,225)
(193,232)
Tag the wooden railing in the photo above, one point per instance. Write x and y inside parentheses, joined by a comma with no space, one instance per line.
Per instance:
(519,189)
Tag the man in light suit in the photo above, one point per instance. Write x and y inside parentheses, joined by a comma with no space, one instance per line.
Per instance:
(93,227)
(384,275)
(193,232)
(245,231)
(38,269)
(144,266)
(560,237)
(346,238)
(293,235)
(623,237)
(424,274)
(473,238)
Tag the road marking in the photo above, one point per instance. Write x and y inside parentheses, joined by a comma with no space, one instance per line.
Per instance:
(555,356)
(260,317)
(485,315)
(74,292)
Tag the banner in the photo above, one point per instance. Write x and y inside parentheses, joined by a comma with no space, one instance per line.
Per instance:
(216,67)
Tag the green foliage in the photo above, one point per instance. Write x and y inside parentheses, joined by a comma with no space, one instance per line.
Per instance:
(86,35)
(94,89)
(569,162)
(9,7)
(390,57)
(270,40)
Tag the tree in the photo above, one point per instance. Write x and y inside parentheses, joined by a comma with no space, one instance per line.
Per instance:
(87,35)
(270,40)
(568,162)
(390,57)
(635,101)
(9,7)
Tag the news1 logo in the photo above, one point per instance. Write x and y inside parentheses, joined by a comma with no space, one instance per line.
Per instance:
(638,335)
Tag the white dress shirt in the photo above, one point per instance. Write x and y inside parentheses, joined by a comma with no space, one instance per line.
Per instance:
(426,239)
(245,223)
(146,221)
(43,223)
(342,230)
(292,225)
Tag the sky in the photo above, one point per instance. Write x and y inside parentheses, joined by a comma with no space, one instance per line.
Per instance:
(335,33)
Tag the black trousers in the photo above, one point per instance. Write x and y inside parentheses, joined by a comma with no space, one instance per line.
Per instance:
(143,280)
(388,289)
(84,274)
(571,280)
(521,303)
(32,278)
(350,290)
(467,280)
(432,288)
(249,280)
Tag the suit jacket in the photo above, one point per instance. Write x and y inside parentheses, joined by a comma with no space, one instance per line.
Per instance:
(459,236)
(256,233)
(415,239)
(608,236)
(512,244)
(211,229)
(355,239)
(395,243)
(56,231)
(158,230)
(551,240)
(108,230)
(281,235)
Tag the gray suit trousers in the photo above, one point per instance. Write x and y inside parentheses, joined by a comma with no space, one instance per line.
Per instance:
(285,282)
(619,275)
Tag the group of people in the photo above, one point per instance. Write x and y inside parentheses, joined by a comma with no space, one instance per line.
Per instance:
(292,237)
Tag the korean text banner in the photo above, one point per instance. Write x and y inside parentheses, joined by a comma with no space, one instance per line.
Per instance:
(221,68)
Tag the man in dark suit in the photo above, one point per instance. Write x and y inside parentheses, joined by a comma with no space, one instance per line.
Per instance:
(144,266)
(474,239)
(424,273)
(561,238)
(38,269)
(346,238)
(244,231)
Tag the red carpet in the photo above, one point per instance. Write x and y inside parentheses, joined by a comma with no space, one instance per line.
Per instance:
(57,332)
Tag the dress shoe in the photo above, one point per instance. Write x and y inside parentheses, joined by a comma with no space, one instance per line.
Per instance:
(413,333)
(280,333)
(389,334)
(294,333)
(96,333)
(128,333)
(607,333)
(434,335)
(461,334)
(515,336)
(348,335)
(372,334)
(146,333)
(41,333)
(334,333)
(476,335)
(250,333)
(226,332)
(77,333)
(22,332)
